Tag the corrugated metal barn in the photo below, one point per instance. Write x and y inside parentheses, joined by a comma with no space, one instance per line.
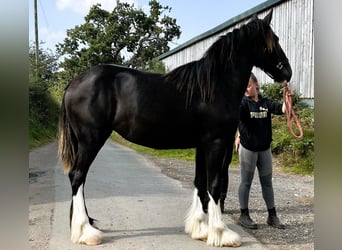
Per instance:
(292,21)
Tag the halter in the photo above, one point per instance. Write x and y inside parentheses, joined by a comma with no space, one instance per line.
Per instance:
(279,65)
(290,113)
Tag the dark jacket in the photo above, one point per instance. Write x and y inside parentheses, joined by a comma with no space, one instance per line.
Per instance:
(255,126)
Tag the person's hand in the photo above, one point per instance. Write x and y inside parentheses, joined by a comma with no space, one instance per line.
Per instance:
(289,91)
(287,88)
(237,143)
(287,98)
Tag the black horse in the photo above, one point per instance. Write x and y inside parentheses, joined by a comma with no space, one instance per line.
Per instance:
(194,106)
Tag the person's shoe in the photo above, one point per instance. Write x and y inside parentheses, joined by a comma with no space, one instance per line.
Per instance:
(246,221)
(273,220)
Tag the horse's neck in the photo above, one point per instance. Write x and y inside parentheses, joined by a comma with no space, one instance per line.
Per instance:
(236,80)
(243,63)
(239,69)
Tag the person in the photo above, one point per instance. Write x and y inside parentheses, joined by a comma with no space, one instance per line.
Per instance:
(253,142)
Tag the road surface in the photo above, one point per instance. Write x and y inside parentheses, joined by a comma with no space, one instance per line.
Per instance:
(137,207)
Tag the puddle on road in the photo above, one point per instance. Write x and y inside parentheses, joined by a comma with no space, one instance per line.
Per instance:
(33,176)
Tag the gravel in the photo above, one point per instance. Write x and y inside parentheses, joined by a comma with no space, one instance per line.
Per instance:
(294,199)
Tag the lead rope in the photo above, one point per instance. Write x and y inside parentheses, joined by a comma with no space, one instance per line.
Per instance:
(290,113)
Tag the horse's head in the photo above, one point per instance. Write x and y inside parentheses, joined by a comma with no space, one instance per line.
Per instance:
(269,54)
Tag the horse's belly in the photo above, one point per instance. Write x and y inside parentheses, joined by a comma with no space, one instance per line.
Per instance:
(170,140)
(160,136)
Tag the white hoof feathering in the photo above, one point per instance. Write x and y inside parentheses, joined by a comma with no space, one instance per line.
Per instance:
(218,233)
(81,230)
(196,222)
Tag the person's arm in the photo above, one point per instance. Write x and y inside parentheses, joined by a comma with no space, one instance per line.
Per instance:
(274,107)
(237,141)
(283,108)
(244,116)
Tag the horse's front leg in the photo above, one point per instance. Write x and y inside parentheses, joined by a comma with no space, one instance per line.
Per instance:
(218,232)
(196,220)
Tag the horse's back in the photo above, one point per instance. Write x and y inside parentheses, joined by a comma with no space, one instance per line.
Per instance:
(140,106)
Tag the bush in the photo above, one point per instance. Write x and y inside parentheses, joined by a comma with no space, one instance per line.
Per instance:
(275,92)
(296,156)
(43,107)
(43,116)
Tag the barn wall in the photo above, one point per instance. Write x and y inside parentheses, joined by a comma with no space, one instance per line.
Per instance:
(292,21)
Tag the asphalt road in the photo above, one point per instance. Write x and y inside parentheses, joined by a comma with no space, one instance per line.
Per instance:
(137,207)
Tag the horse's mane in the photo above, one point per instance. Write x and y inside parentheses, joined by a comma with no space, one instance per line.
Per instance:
(203,75)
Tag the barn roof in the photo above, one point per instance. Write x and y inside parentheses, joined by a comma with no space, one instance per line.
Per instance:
(245,15)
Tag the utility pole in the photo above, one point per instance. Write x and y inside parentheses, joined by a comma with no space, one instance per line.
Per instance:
(36,38)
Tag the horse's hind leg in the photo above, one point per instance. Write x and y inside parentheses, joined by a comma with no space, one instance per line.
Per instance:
(224,177)
(81,229)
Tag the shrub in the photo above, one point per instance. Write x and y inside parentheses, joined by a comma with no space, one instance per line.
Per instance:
(296,155)
(43,116)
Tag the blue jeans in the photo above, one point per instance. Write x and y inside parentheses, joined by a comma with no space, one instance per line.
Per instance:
(248,161)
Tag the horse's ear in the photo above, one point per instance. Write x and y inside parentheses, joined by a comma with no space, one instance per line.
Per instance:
(268,18)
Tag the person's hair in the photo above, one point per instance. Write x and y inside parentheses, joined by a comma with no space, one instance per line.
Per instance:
(253,77)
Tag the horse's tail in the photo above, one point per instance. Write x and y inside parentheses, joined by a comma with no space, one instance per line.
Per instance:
(67,141)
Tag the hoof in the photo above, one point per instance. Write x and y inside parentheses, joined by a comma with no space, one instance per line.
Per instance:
(230,238)
(91,236)
(88,236)
(196,221)
(224,238)
(219,234)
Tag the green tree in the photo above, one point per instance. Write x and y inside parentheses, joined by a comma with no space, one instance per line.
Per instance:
(126,36)
(43,109)
(47,66)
